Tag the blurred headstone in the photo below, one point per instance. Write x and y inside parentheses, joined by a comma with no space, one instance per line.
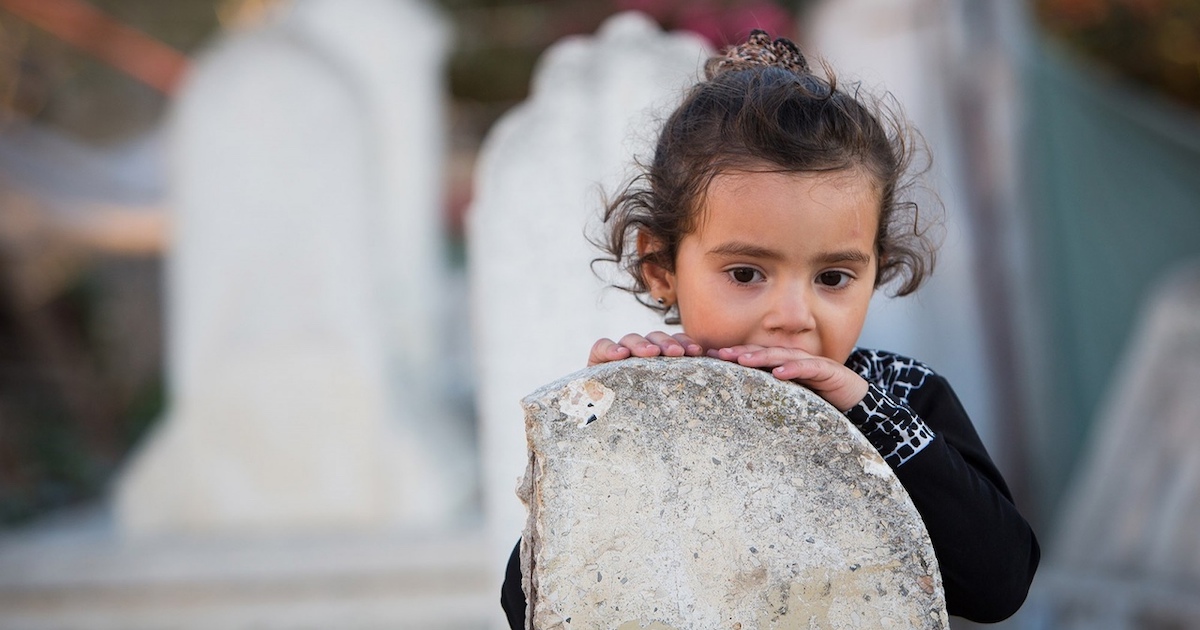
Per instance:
(537,306)
(694,493)
(1127,554)
(304,285)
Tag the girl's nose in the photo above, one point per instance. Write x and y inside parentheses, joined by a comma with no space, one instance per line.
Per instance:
(790,311)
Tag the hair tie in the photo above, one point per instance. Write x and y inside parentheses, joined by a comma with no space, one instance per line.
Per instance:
(759,50)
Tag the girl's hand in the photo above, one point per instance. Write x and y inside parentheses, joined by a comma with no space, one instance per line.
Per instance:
(651,345)
(837,384)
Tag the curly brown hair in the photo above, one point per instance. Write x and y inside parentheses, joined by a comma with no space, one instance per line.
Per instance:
(762,109)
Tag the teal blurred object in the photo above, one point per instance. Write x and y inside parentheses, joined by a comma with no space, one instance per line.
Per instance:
(1114,205)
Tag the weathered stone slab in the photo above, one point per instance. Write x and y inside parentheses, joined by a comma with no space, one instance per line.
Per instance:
(694,493)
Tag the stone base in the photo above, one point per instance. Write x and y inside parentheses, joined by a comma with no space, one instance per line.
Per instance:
(77,573)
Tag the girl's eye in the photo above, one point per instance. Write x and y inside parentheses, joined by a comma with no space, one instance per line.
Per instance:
(834,279)
(744,275)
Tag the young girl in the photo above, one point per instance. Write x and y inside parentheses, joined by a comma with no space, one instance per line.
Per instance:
(768,217)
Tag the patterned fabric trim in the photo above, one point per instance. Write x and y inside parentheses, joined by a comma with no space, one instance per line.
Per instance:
(886,421)
(899,376)
(895,431)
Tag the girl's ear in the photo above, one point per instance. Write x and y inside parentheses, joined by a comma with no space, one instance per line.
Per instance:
(659,280)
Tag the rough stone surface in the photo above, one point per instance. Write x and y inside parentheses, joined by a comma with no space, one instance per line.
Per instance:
(693,493)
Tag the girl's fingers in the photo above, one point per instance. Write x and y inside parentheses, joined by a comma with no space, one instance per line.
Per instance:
(770,357)
(651,345)
(837,384)
(605,350)
(669,345)
(732,353)
(690,347)
(803,369)
(639,346)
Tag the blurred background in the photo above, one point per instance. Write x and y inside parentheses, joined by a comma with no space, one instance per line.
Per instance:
(1079,194)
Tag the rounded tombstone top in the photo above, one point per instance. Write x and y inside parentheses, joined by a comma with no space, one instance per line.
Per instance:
(696,493)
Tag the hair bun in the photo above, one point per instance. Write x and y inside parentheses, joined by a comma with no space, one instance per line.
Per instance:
(759,50)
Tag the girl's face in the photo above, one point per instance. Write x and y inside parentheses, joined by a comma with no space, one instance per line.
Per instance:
(778,260)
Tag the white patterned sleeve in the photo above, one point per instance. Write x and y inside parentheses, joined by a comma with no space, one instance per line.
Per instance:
(892,428)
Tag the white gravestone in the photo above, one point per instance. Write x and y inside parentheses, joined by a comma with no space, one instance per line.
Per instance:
(1127,552)
(694,494)
(303,284)
(537,307)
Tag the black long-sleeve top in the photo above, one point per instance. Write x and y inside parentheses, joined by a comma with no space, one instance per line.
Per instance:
(986,550)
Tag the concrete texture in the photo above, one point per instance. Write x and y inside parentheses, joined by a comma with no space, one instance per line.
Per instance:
(694,493)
